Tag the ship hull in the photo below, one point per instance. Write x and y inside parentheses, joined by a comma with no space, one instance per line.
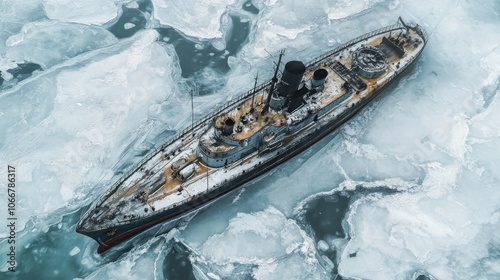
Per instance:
(128,230)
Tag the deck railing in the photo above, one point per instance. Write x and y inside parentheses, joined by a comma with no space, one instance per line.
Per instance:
(173,139)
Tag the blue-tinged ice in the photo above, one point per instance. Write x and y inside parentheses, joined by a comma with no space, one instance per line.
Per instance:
(49,42)
(144,261)
(275,246)
(442,138)
(16,13)
(83,11)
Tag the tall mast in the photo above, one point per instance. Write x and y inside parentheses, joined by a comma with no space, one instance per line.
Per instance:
(275,79)
(207,178)
(254,89)
(192,111)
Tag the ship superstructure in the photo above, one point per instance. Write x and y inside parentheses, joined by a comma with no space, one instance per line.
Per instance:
(252,134)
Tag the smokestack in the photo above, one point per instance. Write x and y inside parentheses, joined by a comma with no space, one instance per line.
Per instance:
(228,127)
(291,78)
(319,77)
(296,99)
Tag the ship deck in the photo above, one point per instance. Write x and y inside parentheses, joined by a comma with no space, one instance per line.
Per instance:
(154,186)
(259,121)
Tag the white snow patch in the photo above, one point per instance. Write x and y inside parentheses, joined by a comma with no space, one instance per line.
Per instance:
(74,251)
(213,276)
(128,25)
(323,246)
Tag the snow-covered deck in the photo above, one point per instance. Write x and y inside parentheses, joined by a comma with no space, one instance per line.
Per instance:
(153,187)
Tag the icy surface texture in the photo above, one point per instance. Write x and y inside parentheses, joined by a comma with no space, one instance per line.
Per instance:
(444,138)
(275,235)
(275,245)
(71,124)
(15,14)
(49,43)
(200,19)
(84,11)
(302,26)
(142,262)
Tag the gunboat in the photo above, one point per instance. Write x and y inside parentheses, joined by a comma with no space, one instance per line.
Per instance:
(252,134)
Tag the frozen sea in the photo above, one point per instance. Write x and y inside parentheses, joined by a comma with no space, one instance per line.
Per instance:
(408,189)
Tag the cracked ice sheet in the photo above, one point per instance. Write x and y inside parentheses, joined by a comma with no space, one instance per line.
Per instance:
(194,18)
(449,225)
(83,11)
(395,235)
(71,123)
(267,239)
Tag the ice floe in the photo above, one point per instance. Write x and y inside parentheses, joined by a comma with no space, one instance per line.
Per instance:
(85,11)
